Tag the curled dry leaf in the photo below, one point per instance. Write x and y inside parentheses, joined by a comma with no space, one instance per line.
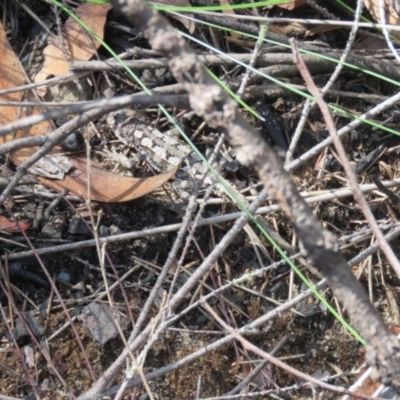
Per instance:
(104,186)
(79,44)
(391,16)
(291,5)
(229,11)
(8,226)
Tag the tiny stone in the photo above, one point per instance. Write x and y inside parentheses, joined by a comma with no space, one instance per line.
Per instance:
(20,333)
(103,231)
(388,393)
(65,276)
(78,227)
(231,166)
(53,230)
(108,93)
(99,322)
(80,286)
(73,142)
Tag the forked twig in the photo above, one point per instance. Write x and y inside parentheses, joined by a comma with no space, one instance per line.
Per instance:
(358,195)
(251,327)
(211,102)
(273,360)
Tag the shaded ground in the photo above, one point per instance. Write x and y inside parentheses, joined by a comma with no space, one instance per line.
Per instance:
(315,342)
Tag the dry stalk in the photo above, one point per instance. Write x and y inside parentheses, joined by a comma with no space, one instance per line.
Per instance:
(211,102)
(254,349)
(358,195)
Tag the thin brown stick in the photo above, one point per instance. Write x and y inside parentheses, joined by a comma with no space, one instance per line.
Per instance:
(251,327)
(211,102)
(383,67)
(105,105)
(288,305)
(358,195)
(331,195)
(376,110)
(273,360)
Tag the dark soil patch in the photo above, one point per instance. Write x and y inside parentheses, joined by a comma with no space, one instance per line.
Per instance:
(316,343)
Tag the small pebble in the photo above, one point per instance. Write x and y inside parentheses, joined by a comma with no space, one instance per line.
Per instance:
(103,231)
(78,227)
(64,276)
(73,142)
(231,166)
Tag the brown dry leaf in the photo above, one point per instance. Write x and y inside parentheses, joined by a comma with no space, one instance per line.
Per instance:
(11,75)
(11,226)
(79,43)
(388,168)
(370,43)
(395,329)
(187,23)
(229,11)
(291,5)
(321,29)
(105,186)
(320,162)
(368,387)
(391,16)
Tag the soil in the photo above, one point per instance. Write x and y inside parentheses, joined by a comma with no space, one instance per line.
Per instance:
(316,343)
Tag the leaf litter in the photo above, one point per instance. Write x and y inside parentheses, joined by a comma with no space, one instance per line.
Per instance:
(104,186)
(314,336)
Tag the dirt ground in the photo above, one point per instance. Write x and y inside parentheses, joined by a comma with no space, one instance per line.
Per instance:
(53,346)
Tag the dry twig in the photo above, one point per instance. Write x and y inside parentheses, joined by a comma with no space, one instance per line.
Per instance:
(320,246)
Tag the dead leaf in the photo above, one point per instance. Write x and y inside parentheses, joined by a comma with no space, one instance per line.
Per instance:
(368,387)
(388,168)
(11,75)
(189,24)
(229,11)
(391,16)
(394,329)
(370,43)
(105,186)
(12,226)
(320,162)
(79,44)
(291,5)
(316,30)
